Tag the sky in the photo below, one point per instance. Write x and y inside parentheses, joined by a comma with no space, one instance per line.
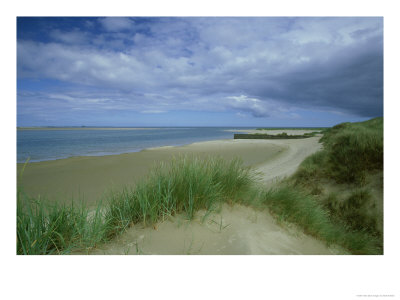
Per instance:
(211,71)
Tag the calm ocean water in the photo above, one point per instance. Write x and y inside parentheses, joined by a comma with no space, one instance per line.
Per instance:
(39,145)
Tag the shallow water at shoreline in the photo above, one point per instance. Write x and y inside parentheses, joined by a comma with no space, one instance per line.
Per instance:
(58,143)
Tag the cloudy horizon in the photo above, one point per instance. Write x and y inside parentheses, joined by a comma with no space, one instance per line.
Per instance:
(211,71)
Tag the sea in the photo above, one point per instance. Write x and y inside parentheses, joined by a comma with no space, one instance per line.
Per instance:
(51,143)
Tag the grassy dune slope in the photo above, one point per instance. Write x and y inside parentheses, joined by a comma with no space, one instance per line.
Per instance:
(345,180)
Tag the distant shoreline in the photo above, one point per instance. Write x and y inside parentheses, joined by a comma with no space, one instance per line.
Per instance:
(240,129)
(122,152)
(87,128)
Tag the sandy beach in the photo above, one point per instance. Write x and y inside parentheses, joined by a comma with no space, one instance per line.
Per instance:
(90,177)
(234,230)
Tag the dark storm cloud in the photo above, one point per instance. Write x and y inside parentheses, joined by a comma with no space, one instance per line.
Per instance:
(350,80)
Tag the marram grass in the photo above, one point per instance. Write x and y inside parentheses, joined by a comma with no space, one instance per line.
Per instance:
(351,152)
(185,185)
(299,207)
(56,229)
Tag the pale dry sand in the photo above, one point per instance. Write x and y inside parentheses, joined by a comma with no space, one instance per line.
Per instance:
(286,164)
(235,230)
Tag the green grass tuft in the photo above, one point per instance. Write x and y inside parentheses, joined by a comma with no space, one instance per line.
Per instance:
(56,229)
(356,211)
(352,149)
(185,185)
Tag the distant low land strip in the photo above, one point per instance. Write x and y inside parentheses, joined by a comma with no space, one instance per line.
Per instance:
(272,136)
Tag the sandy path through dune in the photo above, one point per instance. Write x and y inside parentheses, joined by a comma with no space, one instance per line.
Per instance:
(287,163)
(236,230)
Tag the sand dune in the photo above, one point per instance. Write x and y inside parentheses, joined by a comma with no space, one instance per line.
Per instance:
(235,230)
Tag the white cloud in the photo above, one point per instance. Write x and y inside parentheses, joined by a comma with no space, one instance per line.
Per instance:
(255,107)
